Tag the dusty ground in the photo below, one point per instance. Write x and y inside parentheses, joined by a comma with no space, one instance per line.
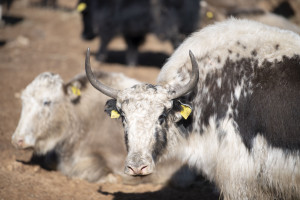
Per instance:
(49,40)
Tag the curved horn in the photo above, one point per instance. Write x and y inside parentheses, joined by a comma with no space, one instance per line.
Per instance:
(193,80)
(111,92)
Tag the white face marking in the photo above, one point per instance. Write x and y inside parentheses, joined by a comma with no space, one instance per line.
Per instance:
(142,107)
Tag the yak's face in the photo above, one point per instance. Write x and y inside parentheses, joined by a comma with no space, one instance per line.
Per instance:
(147,114)
(42,114)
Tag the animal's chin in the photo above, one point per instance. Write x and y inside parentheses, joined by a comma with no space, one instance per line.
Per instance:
(141,176)
(24,147)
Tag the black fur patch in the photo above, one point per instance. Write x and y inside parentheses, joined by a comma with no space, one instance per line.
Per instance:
(220,97)
(254,53)
(176,106)
(151,86)
(126,140)
(185,125)
(110,105)
(160,142)
(273,109)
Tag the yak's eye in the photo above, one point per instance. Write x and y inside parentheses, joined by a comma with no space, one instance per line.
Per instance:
(162,118)
(47,102)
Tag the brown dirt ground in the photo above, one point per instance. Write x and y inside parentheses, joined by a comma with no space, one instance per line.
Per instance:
(49,40)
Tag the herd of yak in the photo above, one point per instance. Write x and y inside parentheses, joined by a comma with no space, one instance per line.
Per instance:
(225,105)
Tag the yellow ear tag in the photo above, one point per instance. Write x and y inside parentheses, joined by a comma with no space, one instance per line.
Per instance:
(209,15)
(186,111)
(114,114)
(76,91)
(81,7)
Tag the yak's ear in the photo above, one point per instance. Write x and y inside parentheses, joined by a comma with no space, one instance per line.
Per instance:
(111,109)
(73,91)
(184,109)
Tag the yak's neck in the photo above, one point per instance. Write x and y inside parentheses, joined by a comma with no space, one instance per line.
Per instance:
(201,150)
(71,136)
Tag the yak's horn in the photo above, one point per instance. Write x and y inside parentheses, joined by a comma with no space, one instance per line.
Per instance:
(111,92)
(193,80)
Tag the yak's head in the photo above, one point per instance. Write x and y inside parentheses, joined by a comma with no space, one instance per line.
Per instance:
(44,113)
(148,112)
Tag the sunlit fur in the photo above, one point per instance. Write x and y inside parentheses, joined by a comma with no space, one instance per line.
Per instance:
(76,129)
(53,119)
(230,56)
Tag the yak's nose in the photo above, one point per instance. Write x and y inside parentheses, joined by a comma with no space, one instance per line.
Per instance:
(139,164)
(137,170)
(18,143)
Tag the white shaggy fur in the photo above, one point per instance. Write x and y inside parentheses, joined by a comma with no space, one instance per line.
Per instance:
(238,173)
(216,148)
(215,40)
(80,133)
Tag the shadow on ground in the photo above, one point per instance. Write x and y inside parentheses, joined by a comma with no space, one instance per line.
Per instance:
(148,58)
(194,192)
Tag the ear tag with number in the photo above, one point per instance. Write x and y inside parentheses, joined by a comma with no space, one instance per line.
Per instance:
(81,7)
(186,111)
(76,90)
(114,114)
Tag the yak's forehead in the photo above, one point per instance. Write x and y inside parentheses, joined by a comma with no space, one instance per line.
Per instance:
(144,97)
(45,86)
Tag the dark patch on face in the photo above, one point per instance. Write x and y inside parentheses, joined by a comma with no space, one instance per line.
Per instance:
(238,43)
(160,142)
(277,46)
(273,108)
(229,51)
(254,52)
(218,59)
(126,139)
(244,47)
(237,55)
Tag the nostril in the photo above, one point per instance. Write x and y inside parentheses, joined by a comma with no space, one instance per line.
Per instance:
(143,167)
(132,169)
(138,170)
